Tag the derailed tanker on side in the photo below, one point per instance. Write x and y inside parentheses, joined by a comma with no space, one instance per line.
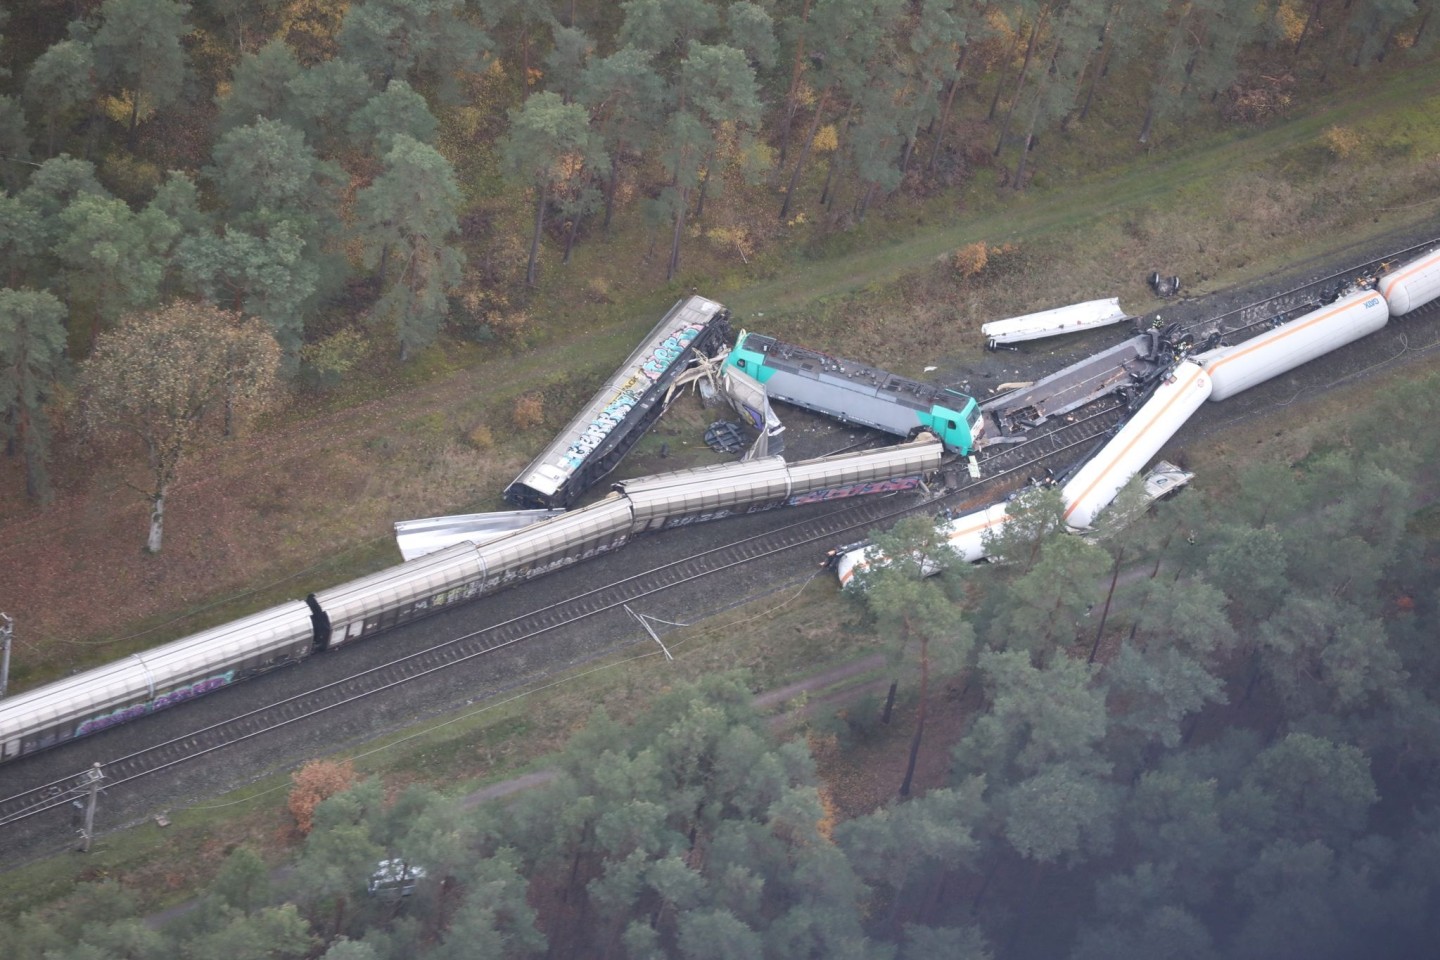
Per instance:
(968,537)
(1096,484)
(1050,323)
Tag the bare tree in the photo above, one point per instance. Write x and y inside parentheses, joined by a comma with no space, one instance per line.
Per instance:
(172,377)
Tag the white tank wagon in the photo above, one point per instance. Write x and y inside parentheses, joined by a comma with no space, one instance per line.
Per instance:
(1244,365)
(1050,323)
(146,682)
(1411,286)
(968,536)
(1102,477)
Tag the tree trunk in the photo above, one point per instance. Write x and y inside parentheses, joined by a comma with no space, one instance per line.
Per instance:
(1385,47)
(909,150)
(610,184)
(999,89)
(1105,614)
(1019,84)
(530,268)
(919,715)
(792,102)
(37,482)
(804,155)
(1305,31)
(134,118)
(157,520)
(674,265)
(570,235)
(524,58)
(889,702)
(1100,63)
(704,183)
(863,206)
(944,120)
(1019,183)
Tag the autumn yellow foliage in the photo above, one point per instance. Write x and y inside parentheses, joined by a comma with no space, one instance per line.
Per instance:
(974,259)
(970,259)
(1342,142)
(827,139)
(1290,17)
(528,412)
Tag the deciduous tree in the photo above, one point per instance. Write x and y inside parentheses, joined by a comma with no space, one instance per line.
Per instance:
(165,378)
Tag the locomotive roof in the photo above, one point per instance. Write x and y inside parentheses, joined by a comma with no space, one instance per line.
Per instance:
(796,359)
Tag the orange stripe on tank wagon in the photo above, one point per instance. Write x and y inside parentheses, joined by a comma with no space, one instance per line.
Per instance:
(1133,440)
(1424,263)
(1288,330)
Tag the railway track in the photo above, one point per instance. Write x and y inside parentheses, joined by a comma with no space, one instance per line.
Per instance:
(1255,317)
(999,471)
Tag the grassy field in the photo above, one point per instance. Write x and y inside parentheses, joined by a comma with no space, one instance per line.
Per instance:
(308,503)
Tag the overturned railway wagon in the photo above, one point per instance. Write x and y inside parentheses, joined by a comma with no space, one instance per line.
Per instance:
(592,444)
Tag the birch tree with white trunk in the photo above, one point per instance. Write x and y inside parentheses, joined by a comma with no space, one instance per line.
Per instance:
(174,379)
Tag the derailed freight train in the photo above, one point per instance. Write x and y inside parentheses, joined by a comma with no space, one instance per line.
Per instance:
(327,619)
(1216,375)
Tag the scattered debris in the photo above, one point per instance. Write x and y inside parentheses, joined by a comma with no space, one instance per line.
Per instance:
(725,436)
(1164,287)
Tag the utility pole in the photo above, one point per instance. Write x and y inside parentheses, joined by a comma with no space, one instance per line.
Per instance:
(94,776)
(7,630)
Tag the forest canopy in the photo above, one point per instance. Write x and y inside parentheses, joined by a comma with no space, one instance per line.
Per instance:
(371,176)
